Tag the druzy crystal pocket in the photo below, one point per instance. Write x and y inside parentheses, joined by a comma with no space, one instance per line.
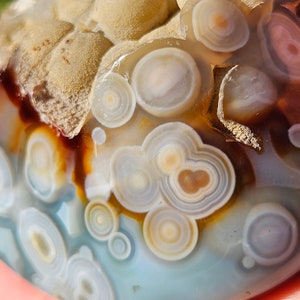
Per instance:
(150,151)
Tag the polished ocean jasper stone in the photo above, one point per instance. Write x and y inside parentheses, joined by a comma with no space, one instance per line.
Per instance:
(153,158)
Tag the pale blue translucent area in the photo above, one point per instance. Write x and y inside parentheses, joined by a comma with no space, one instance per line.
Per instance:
(71,214)
(9,250)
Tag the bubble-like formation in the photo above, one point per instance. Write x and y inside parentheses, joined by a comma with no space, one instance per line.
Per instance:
(170,234)
(86,278)
(166,81)
(98,136)
(195,178)
(168,145)
(202,185)
(133,180)
(101,220)
(43,168)
(185,165)
(113,100)
(219,25)
(119,246)
(270,234)
(279,36)
(41,241)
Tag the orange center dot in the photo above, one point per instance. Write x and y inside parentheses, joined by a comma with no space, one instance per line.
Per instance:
(192,181)
(220,22)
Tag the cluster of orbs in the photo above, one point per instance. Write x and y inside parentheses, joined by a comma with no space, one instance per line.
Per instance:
(166,174)
(173,177)
(173,172)
(176,179)
(43,182)
(102,223)
(165,83)
(170,77)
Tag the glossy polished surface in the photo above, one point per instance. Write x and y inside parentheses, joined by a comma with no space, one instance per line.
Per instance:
(185,174)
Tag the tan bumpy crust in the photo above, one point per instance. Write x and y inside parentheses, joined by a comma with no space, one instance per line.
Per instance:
(62,98)
(58,52)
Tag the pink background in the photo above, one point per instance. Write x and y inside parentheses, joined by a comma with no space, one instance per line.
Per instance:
(14,287)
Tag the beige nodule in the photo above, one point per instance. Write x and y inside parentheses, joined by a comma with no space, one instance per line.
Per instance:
(62,99)
(129,19)
(41,38)
(70,11)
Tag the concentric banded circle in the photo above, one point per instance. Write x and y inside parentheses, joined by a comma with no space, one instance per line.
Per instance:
(219,25)
(169,234)
(270,234)
(113,100)
(119,246)
(41,165)
(168,145)
(134,183)
(101,220)
(202,185)
(279,35)
(166,81)
(86,277)
(41,242)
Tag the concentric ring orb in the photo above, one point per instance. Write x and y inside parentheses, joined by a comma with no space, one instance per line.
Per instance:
(270,234)
(219,25)
(43,165)
(168,145)
(202,185)
(41,242)
(169,158)
(113,100)
(86,277)
(134,183)
(280,44)
(101,220)
(166,81)
(119,246)
(169,234)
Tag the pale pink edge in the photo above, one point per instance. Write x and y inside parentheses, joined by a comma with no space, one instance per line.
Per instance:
(14,287)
